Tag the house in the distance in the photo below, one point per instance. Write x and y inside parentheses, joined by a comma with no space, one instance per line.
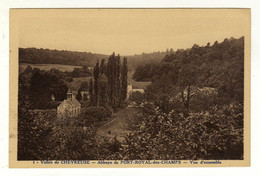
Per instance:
(69,107)
(196,91)
(136,87)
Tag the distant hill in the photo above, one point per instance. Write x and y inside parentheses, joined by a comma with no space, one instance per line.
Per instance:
(220,66)
(47,56)
(141,59)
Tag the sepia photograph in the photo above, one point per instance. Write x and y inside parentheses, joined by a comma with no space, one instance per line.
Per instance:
(150,85)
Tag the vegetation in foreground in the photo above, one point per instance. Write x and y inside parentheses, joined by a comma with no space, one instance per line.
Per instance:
(173,122)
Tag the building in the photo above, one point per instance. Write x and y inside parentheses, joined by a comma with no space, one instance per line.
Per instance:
(69,107)
(129,90)
(85,95)
(194,90)
(136,87)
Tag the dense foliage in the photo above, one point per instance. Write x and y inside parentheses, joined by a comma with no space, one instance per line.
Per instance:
(96,113)
(46,56)
(215,134)
(110,83)
(137,97)
(42,136)
(144,58)
(220,66)
(81,72)
(192,110)
(42,86)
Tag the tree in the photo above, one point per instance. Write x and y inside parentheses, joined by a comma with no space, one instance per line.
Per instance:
(137,97)
(42,86)
(117,92)
(187,78)
(91,93)
(114,77)
(217,134)
(124,72)
(103,90)
(96,76)
(32,128)
(102,67)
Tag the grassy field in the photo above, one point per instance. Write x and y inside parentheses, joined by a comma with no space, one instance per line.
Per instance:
(22,67)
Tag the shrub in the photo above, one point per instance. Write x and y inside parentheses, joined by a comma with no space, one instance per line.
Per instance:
(98,113)
(137,97)
(217,134)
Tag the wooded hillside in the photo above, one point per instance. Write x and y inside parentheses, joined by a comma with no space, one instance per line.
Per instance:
(47,56)
(219,66)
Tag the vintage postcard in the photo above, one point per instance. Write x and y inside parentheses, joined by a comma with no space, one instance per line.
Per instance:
(129,88)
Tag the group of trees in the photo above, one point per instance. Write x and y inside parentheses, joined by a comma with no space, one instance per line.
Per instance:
(110,83)
(47,56)
(39,86)
(170,126)
(41,136)
(215,134)
(81,72)
(220,66)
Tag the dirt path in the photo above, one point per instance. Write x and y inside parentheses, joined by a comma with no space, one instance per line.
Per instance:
(118,126)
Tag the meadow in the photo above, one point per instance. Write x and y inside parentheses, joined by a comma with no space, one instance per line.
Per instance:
(63,68)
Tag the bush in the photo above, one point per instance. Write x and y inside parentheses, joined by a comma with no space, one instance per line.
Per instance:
(98,113)
(137,97)
(217,134)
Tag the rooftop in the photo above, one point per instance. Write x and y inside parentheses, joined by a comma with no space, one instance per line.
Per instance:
(140,85)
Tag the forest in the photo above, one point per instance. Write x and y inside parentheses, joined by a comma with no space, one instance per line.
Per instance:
(47,56)
(193,109)
(220,66)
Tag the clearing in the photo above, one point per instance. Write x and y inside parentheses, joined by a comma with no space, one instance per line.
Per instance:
(63,68)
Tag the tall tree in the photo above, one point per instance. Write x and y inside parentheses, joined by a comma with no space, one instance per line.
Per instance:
(111,78)
(124,71)
(102,67)
(96,76)
(117,92)
(188,77)
(103,90)
(91,92)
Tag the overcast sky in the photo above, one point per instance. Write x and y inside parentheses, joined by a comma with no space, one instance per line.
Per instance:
(128,31)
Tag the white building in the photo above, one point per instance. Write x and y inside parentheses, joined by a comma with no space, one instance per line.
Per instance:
(136,87)
(69,107)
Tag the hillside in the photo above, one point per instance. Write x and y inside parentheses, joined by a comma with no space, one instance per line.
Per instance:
(219,66)
(141,59)
(47,56)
